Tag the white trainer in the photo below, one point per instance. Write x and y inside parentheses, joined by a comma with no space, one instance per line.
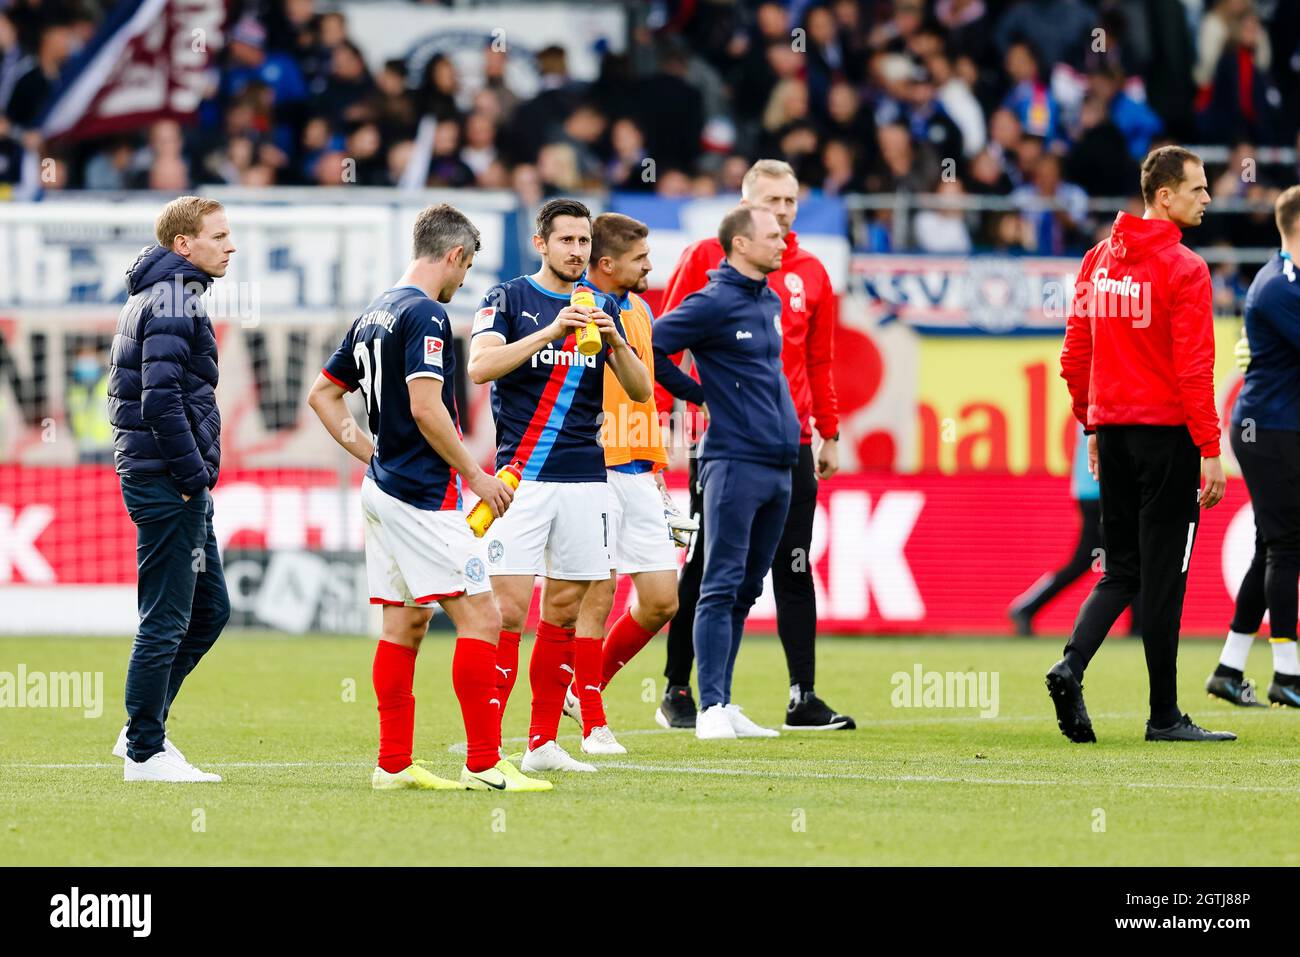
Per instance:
(551,757)
(119,749)
(602,741)
(572,706)
(712,724)
(745,728)
(164,767)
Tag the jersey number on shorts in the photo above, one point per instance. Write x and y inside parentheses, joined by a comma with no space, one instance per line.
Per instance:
(370,388)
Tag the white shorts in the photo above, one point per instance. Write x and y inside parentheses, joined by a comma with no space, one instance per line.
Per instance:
(415,556)
(639,539)
(556,529)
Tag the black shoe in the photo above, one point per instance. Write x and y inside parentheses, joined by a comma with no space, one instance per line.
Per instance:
(1067,695)
(1283,696)
(1187,730)
(677,710)
(1023,621)
(811,713)
(1238,691)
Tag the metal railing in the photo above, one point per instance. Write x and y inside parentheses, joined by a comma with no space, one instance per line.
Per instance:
(904,205)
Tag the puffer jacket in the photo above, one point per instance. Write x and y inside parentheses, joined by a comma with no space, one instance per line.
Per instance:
(162,376)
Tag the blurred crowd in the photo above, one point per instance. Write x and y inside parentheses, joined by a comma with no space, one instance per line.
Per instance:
(1048,102)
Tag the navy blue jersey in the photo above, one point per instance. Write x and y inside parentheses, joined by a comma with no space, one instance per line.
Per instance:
(402,335)
(1271,394)
(548,410)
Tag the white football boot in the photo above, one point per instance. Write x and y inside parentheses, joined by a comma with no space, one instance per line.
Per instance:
(602,741)
(572,706)
(713,724)
(551,757)
(745,728)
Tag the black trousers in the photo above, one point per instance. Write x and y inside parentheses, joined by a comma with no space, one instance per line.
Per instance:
(1270,463)
(792,583)
(1080,563)
(1150,481)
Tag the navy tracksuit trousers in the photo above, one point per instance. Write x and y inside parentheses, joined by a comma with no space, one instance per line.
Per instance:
(747,504)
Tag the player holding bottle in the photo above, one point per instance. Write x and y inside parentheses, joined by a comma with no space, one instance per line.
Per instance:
(641,543)
(419,550)
(547,401)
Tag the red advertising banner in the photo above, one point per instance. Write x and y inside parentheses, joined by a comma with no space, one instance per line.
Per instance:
(890,554)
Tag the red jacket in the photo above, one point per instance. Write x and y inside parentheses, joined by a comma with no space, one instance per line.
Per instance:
(1139,340)
(809,312)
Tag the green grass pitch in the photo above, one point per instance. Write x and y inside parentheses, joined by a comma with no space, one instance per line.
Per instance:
(913,786)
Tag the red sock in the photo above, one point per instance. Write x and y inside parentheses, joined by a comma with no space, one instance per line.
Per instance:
(625,639)
(474,676)
(393,675)
(507,666)
(586,682)
(549,672)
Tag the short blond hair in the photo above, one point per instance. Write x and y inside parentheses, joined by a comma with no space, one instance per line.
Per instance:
(183,216)
(765,167)
(1287,210)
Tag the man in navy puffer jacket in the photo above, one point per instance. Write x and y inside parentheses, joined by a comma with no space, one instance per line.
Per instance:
(167,450)
(733,328)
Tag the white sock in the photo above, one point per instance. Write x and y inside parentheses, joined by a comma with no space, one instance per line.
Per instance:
(1285,660)
(1235,650)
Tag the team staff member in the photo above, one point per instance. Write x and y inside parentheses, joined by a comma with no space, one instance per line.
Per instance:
(733,328)
(162,388)
(1265,438)
(809,308)
(1139,361)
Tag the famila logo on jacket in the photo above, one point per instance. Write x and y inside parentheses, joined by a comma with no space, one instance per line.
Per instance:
(1127,286)
(562,357)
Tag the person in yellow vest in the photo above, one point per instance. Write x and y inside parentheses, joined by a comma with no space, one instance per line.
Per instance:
(87,408)
(640,539)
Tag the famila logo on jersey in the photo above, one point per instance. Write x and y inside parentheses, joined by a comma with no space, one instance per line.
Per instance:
(551,356)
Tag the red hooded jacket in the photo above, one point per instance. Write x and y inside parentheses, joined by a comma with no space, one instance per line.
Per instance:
(809,312)
(1139,340)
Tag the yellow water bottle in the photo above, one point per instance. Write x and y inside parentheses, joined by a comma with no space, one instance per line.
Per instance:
(588,337)
(480,516)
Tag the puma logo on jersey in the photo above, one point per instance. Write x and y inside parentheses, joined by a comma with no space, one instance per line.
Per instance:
(529,315)
(562,357)
(742,334)
(505,671)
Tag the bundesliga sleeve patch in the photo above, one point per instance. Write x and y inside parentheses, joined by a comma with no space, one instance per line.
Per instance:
(483,319)
(433,351)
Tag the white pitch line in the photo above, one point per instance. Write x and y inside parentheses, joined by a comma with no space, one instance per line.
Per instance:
(756,773)
(935,779)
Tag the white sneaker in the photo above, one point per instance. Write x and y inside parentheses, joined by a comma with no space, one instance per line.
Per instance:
(745,728)
(602,741)
(712,724)
(164,767)
(119,749)
(572,706)
(551,757)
